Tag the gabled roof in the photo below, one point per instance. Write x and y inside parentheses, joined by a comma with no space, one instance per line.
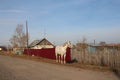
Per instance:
(35,42)
(43,41)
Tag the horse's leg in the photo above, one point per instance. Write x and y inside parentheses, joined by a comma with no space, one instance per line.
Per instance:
(59,58)
(64,57)
(56,57)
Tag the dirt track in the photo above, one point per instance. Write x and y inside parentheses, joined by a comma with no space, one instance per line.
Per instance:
(20,69)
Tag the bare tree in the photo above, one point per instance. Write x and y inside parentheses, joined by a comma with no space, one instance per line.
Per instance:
(19,39)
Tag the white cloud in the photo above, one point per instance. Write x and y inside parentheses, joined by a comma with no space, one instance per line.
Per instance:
(66,3)
(12,11)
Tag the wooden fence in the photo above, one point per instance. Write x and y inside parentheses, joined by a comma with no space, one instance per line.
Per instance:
(106,57)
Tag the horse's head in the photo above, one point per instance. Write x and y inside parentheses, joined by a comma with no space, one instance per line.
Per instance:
(68,44)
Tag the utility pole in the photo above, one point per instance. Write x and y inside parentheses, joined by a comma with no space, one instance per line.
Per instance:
(27,33)
(94,42)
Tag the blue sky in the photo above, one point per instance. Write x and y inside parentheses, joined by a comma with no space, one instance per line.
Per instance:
(62,20)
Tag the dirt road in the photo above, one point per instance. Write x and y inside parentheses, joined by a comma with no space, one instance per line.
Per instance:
(21,69)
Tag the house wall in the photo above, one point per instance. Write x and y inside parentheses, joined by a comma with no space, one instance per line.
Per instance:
(18,50)
(42,46)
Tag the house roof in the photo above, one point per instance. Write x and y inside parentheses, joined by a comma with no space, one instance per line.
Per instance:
(95,45)
(112,44)
(106,45)
(35,42)
(43,41)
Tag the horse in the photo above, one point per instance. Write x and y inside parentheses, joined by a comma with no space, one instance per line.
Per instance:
(60,51)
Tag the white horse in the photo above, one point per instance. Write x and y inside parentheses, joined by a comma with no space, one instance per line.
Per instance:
(60,51)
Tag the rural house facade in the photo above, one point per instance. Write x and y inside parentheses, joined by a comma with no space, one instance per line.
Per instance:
(39,44)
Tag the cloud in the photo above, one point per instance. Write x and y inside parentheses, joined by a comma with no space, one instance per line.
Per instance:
(65,3)
(12,11)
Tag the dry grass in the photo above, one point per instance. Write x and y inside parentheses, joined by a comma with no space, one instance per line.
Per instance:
(100,58)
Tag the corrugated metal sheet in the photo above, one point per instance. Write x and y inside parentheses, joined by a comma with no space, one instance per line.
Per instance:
(46,53)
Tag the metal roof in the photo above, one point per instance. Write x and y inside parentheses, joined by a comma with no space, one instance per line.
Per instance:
(37,42)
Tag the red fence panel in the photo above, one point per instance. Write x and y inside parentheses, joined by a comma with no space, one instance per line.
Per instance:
(68,55)
(46,53)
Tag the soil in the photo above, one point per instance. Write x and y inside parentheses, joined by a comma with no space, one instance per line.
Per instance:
(21,67)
